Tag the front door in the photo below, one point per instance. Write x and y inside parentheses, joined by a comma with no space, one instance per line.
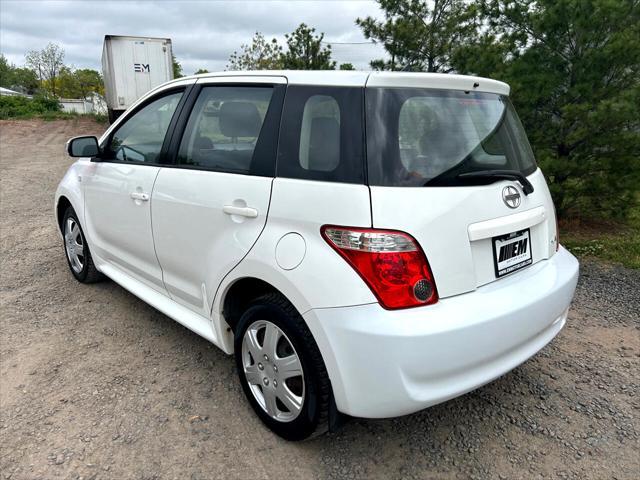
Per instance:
(208,211)
(118,191)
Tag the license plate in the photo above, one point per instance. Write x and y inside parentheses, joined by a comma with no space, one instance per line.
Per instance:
(511,252)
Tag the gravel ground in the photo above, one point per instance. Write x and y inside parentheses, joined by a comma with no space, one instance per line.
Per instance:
(97,385)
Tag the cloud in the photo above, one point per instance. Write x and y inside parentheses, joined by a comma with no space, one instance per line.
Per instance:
(203,33)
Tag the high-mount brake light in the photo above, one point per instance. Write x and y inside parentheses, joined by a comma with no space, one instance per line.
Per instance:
(391,263)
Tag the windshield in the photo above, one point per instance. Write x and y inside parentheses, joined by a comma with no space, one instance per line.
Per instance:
(420,137)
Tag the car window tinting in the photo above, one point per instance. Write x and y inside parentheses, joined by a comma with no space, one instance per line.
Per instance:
(224,127)
(140,138)
(419,137)
(322,134)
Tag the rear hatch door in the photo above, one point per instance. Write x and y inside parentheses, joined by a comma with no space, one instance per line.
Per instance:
(437,159)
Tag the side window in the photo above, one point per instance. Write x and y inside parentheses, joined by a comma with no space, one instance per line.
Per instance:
(141,137)
(224,128)
(322,134)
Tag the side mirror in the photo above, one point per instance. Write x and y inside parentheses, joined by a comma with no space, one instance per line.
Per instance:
(83,147)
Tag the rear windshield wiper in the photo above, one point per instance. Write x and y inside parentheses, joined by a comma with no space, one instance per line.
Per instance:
(527,188)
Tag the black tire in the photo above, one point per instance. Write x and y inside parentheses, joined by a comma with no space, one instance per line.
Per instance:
(89,273)
(313,419)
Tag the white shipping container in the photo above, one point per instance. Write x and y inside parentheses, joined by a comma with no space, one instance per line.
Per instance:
(132,66)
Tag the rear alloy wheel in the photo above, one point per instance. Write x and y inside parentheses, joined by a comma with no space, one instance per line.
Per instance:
(273,371)
(77,250)
(281,369)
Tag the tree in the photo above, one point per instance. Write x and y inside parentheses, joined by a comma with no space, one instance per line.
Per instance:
(201,70)
(89,81)
(420,35)
(177,68)
(16,78)
(25,80)
(346,66)
(573,66)
(6,72)
(305,51)
(67,83)
(260,54)
(52,57)
(47,63)
(79,83)
(33,60)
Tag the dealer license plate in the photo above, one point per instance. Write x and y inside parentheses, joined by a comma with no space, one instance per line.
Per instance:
(511,252)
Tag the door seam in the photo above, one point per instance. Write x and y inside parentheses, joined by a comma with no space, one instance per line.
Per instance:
(153,237)
(264,226)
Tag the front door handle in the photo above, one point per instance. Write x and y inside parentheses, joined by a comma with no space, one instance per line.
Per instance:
(143,197)
(242,211)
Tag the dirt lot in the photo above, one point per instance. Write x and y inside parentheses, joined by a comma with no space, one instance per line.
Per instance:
(96,384)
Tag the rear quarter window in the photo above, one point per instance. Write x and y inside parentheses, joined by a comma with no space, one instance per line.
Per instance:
(322,135)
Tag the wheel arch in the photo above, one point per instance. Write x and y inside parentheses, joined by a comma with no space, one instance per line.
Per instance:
(61,207)
(69,194)
(236,293)
(239,294)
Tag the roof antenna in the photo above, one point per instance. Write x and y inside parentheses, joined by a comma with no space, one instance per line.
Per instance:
(476,85)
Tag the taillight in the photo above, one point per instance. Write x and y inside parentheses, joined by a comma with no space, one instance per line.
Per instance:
(391,263)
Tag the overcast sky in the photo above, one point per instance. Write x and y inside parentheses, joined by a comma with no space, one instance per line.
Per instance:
(204,33)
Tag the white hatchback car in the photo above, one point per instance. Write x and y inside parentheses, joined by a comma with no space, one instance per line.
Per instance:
(364,243)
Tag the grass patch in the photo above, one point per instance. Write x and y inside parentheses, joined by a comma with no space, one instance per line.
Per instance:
(46,108)
(611,242)
(22,107)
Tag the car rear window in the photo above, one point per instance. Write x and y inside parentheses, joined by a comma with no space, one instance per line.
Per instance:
(423,137)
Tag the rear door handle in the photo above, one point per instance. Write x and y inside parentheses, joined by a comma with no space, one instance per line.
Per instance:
(242,211)
(144,197)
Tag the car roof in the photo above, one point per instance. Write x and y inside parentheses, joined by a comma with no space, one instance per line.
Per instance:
(355,78)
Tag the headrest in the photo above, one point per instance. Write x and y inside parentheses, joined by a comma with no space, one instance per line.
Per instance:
(325,131)
(239,119)
(324,144)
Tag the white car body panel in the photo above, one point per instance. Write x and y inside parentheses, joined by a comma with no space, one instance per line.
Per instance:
(347,78)
(183,251)
(196,323)
(322,278)
(197,243)
(70,187)
(233,77)
(388,363)
(438,81)
(501,225)
(119,226)
(440,218)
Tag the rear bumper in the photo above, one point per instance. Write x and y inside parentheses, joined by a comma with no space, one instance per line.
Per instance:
(388,363)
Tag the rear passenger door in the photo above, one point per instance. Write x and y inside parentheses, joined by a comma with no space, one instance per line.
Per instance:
(209,208)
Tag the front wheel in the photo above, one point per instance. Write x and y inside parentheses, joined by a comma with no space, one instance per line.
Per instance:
(77,250)
(281,369)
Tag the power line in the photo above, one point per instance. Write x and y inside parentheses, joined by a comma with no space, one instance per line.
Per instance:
(370,42)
